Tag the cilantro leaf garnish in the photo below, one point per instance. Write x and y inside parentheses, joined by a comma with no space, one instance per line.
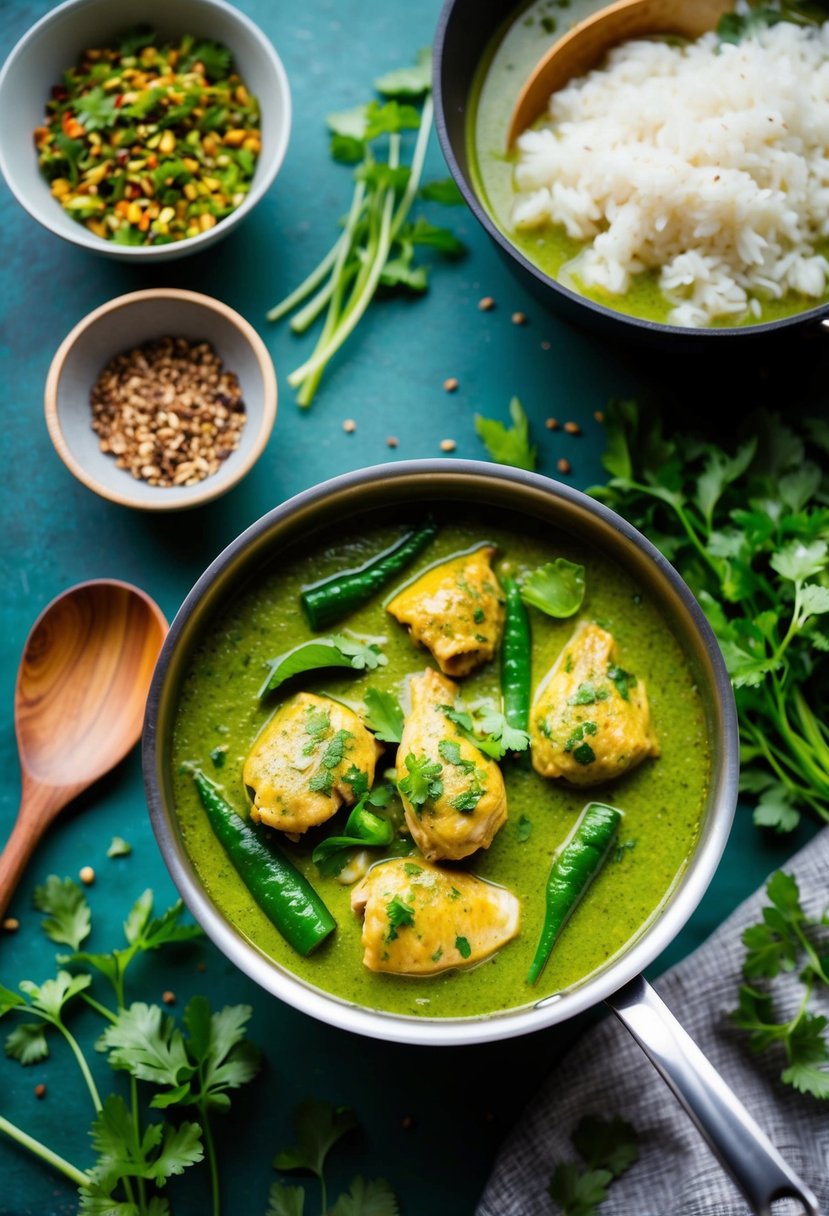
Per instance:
(422,783)
(408,82)
(556,588)
(317,1127)
(96,109)
(488,730)
(463,947)
(383,715)
(508,445)
(336,651)
(401,915)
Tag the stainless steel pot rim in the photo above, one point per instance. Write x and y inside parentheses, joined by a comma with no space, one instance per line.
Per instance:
(442,473)
(711,334)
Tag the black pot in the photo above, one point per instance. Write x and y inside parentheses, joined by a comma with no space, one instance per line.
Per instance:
(465,34)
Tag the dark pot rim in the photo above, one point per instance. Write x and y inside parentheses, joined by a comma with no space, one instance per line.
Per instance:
(445,481)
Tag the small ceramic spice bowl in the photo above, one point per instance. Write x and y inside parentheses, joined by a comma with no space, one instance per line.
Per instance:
(161,399)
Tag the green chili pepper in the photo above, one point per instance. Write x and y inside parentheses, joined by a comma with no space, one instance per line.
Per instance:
(515,658)
(574,867)
(329,601)
(284,895)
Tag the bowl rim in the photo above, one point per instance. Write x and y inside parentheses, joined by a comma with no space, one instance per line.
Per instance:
(659,931)
(817,313)
(207,490)
(263,177)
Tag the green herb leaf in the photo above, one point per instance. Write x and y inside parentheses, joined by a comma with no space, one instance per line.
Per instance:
(336,651)
(68,920)
(383,715)
(118,848)
(578,1192)
(508,445)
(523,829)
(444,191)
(147,1045)
(27,1043)
(50,997)
(317,1127)
(401,915)
(214,58)
(463,947)
(422,784)
(408,82)
(556,588)
(607,1144)
(285,1200)
(372,1198)
(96,109)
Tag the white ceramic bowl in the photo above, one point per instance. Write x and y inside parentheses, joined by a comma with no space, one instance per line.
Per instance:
(55,43)
(129,321)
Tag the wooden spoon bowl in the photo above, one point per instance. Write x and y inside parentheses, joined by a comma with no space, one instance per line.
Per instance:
(582,48)
(79,702)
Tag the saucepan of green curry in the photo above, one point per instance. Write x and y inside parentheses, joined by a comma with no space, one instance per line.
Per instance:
(441,752)
(445,752)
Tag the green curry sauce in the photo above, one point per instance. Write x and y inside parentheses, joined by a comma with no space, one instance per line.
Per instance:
(514,52)
(220,715)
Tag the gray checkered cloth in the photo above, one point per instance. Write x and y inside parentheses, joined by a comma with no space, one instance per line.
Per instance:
(607,1074)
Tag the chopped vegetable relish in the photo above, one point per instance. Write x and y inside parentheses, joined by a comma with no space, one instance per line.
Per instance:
(150,143)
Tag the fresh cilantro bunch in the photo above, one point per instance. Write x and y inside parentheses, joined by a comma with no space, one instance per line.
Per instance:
(787,939)
(318,1126)
(608,1148)
(748,529)
(379,242)
(192,1067)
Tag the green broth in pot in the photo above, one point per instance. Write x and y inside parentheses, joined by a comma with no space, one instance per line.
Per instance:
(516,49)
(220,714)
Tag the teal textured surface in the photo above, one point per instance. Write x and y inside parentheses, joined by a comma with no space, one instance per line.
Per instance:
(430,1122)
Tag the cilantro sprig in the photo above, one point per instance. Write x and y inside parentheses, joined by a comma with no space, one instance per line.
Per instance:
(318,1127)
(784,941)
(509,444)
(748,528)
(340,650)
(607,1147)
(488,729)
(191,1066)
(378,245)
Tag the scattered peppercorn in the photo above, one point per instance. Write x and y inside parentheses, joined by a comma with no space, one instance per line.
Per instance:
(572,428)
(450,384)
(168,411)
(349,426)
(201,967)
(599,415)
(11,924)
(545,345)
(564,465)
(169,998)
(447,445)
(40,1090)
(392,441)
(87,875)
(552,424)
(519,318)
(486,303)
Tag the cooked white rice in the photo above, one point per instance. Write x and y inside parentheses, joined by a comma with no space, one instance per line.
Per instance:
(707,162)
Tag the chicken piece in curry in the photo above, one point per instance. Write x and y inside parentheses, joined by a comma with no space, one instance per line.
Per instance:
(314,756)
(591,720)
(453,795)
(455,610)
(420,919)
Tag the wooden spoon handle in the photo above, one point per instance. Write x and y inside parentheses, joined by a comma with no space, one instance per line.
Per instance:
(38,807)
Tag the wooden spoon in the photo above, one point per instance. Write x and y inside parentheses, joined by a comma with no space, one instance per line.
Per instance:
(79,702)
(586,43)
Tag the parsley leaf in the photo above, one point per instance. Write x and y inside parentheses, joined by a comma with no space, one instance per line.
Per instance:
(401,915)
(96,109)
(578,1192)
(214,58)
(27,1043)
(285,1200)
(408,82)
(508,445)
(556,588)
(383,715)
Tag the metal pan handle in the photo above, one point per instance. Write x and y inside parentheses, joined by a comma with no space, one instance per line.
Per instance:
(743,1149)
